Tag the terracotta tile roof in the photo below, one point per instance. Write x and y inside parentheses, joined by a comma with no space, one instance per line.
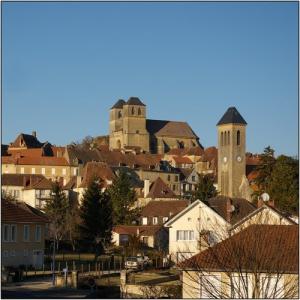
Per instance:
(164,208)
(182,160)
(147,230)
(197,151)
(24,180)
(271,248)
(32,152)
(170,128)
(96,169)
(185,173)
(242,208)
(252,160)
(44,161)
(42,184)
(210,153)
(26,140)
(20,212)
(159,189)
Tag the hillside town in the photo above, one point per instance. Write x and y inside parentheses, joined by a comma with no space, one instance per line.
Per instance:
(148,211)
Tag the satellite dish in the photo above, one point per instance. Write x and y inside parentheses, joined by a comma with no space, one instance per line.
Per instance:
(265,197)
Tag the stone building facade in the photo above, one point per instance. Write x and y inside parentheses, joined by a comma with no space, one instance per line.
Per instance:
(129,128)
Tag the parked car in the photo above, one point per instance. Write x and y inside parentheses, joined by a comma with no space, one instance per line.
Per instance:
(134,262)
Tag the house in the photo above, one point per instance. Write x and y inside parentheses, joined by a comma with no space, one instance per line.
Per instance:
(188,180)
(200,225)
(23,234)
(261,261)
(181,162)
(34,190)
(153,236)
(160,211)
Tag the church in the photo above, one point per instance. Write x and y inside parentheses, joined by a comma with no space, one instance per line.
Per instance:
(129,128)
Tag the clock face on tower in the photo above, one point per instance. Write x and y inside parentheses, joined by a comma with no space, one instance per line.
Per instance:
(239,158)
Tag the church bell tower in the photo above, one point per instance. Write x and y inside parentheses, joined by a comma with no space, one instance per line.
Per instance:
(231,152)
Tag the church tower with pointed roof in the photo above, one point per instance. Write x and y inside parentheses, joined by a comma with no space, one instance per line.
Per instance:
(231,153)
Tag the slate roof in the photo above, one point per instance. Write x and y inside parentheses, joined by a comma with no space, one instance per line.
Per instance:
(135,101)
(232,116)
(220,205)
(170,128)
(271,248)
(159,189)
(118,104)
(29,140)
(20,212)
(164,208)
(146,230)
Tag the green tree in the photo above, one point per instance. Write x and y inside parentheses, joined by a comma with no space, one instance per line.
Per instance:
(96,213)
(123,198)
(205,189)
(264,169)
(284,184)
(56,209)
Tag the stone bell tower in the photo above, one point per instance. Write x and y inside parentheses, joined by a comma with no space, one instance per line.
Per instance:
(231,152)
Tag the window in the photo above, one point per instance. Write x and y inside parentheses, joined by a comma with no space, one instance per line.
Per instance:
(43,171)
(64,171)
(6,233)
(132,111)
(26,233)
(25,252)
(145,240)
(225,138)
(165,219)
(228,137)
(155,220)
(139,111)
(144,220)
(238,138)
(53,171)
(137,131)
(272,286)
(169,177)
(22,170)
(240,286)
(176,178)
(32,170)
(193,178)
(222,141)
(12,253)
(174,187)
(13,233)
(119,114)
(38,233)
(185,235)
(75,171)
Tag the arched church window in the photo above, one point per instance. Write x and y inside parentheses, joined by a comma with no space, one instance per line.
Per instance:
(238,138)
(132,111)
(119,114)
(228,137)
(139,111)
(222,138)
(225,138)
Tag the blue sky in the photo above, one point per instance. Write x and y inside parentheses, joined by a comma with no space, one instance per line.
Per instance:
(65,64)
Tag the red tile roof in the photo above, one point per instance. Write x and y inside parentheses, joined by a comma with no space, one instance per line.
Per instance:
(164,208)
(36,160)
(159,189)
(182,160)
(20,212)
(96,169)
(148,230)
(270,248)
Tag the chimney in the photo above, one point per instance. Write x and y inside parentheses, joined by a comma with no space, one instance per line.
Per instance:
(34,133)
(146,187)
(260,202)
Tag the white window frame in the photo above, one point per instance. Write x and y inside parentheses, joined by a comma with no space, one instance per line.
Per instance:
(237,281)
(155,220)
(32,170)
(22,170)
(165,219)
(24,236)
(37,238)
(64,171)
(185,235)
(53,171)
(145,221)
(43,171)
(11,231)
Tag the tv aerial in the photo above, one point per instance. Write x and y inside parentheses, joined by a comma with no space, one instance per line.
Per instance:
(265,197)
